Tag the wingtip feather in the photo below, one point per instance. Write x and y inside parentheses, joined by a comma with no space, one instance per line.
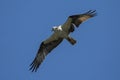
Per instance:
(91,12)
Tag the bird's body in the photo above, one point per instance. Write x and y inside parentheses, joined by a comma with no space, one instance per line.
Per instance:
(60,33)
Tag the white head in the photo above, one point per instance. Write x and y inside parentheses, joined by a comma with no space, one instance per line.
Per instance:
(54,28)
(57,29)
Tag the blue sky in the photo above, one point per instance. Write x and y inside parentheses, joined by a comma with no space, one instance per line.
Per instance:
(24,24)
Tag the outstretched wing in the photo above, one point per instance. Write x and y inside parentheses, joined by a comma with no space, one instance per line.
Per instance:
(79,18)
(46,47)
(76,20)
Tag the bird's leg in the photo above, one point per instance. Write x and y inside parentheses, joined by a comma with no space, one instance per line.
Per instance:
(71,40)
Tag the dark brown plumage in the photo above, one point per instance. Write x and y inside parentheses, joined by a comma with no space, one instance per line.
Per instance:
(42,52)
(61,32)
(79,18)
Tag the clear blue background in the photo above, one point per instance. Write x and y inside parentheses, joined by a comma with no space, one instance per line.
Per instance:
(24,24)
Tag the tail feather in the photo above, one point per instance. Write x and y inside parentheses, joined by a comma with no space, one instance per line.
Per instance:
(71,40)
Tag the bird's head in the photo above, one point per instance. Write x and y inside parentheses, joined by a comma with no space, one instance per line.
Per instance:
(54,28)
(57,28)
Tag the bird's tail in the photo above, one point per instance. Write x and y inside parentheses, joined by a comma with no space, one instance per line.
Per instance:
(71,40)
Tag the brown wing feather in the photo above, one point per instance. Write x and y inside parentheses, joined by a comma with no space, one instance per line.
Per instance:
(42,52)
(79,18)
(75,20)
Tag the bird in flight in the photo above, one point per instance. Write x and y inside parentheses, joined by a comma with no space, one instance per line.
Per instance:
(59,34)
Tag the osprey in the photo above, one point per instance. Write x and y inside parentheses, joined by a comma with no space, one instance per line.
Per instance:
(60,33)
